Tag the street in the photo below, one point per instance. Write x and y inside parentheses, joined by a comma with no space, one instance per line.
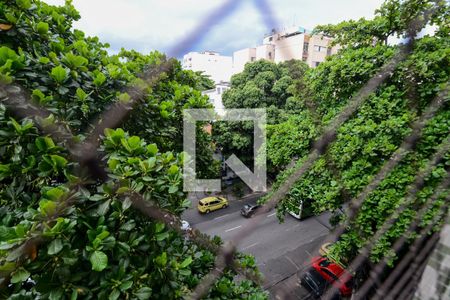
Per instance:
(280,249)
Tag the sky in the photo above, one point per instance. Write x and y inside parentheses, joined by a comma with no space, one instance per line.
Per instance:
(147,25)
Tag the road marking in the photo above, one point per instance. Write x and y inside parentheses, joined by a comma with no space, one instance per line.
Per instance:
(271,214)
(216,218)
(289,259)
(234,228)
(249,246)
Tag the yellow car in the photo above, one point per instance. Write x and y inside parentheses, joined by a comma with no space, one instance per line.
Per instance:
(325,249)
(209,204)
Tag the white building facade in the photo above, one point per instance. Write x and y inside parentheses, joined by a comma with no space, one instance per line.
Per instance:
(241,57)
(215,96)
(216,66)
(291,43)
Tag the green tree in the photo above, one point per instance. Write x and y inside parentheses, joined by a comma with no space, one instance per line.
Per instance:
(369,137)
(262,84)
(392,19)
(98,247)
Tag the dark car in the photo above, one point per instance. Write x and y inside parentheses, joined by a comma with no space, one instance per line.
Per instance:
(316,284)
(249,209)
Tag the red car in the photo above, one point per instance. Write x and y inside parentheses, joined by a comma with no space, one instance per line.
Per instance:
(334,274)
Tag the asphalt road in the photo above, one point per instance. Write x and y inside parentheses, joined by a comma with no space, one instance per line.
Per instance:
(280,249)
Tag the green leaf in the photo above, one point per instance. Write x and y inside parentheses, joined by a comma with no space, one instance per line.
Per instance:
(124,98)
(81,95)
(4,171)
(186,262)
(134,142)
(143,293)
(162,259)
(38,94)
(152,149)
(20,275)
(59,74)
(44,143)
(186,203)
(115,294)
(59,161)
(7,233)
(7,54)
(151,162)
(74,295)
(47,207)
(56,294)
(44,60)
(75,61)
(185,272)
(55,247)
(159,227)
(126,285)
(99,79)
(103,208)
(17,126)
(54,194)
(42,28)
(99,261)
(173,170)
(24,4)
(162,236)
(173,189)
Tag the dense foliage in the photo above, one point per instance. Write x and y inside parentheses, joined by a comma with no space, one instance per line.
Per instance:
(262,84)
(366,141)
(99,247)
(392,20)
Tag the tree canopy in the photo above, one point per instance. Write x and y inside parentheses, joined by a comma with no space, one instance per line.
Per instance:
(262,84)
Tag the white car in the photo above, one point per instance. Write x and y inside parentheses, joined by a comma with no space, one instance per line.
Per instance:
(185,225)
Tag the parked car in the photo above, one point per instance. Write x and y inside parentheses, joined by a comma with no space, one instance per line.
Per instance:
(185,225)
(249,209)
(316,284)
(334,274)
(325,249)
(209,204)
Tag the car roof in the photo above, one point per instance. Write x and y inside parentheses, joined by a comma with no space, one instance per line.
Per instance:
(321,282)
(207,199)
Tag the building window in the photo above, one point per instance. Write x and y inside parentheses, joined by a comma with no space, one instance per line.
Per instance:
(320,48)
(252,58)
(270,55)
(316,63)
(305,47)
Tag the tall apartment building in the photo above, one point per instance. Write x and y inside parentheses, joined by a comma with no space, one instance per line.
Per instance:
(292,43)
(217,66)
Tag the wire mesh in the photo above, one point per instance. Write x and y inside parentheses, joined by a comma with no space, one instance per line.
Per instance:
(87,155)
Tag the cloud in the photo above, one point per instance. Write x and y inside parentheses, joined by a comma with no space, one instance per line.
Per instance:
(147,25)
